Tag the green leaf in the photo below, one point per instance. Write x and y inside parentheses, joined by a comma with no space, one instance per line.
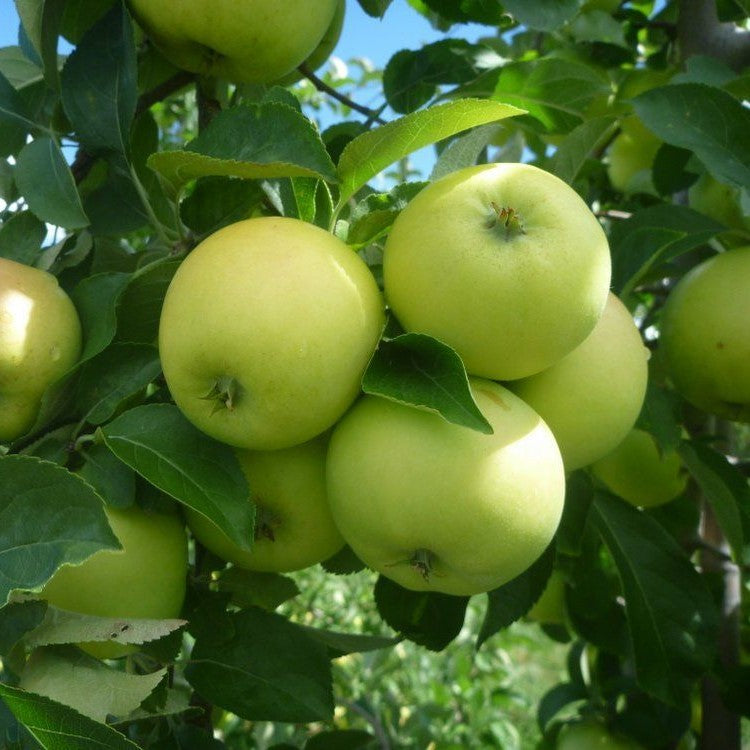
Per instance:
(418,370)
(654,236)
(598,26)
(265,669)
(98,84)
(375,8)
(218,201)
(109,476)
(15,119)
(725,488)
(661,416)
(252,141)
(343,562)
(48,517)
(46,182)
(293,197)
(341,644)
(71,677)
(58,727)
(119,372)
(252,588)
(21,238)
(464,151)
(428,618)
(203,474)
(542,15)
(556,92)
(81,15)
(579,494)
(373,151)
(41,20)
(572,153)
(468,11)
(341,739)
(17,619)
(705,120)
(514,599)
(672,618)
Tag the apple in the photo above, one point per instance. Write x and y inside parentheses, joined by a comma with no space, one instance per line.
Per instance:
(503,262)
(549,609)
(705,336)
(592,735)
(591,398)
(719,201)
(294,528)
(640,473)
(436,506)
(40,339)
(266,330)
(243,41)
(145,579)
(322,52)
(630,157)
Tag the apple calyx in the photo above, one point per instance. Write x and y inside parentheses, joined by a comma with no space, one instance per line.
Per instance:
(265,523)
(224,393)
(508,218)
(422,561)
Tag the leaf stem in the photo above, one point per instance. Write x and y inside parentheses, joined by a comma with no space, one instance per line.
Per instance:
(159,228)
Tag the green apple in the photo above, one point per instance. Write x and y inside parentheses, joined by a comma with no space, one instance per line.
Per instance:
(440,507)
(640,473)
(266,330)
(322,52)
(251,41)
(40,339)
(719,201)
(592,735)
(705,336)
(591,398)
(630,157)
(293,524)
(549,609)
(145,579)
(503,262)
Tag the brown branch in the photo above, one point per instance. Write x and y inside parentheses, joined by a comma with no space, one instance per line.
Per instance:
(321,85)
(700,32)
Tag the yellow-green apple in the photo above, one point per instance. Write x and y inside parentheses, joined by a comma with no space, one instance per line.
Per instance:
(630,157)
(639,472)
(266,330)
(549,609)
(719,201)
(593,735)
(705,336)
(439,507)
(40,339)
(503,262)
(144,580)
(252,41)
(293,524)
(591,398)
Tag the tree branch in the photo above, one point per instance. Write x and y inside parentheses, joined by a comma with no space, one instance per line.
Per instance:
(700,32)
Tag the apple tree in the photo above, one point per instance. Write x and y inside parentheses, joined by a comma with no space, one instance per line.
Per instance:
(216,261)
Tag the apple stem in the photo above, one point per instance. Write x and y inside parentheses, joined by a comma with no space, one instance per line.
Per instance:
(224,393)
(509,218)
(422,562)
(265,521)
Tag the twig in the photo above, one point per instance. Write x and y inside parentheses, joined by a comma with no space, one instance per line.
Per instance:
(374,721)
(371,114)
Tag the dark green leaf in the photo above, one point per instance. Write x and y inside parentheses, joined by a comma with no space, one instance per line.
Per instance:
(428,618)
(725,488)
(514,599)
(58,727)
(375,8)
(41,19)
(340,644)
(21,238)
(557,698)
(672,618)
(266,669)
(417,370)
(110,477)
(660,415)
(468,11)
(579,145)
(15,119)
(17,619)
(293,197)
(542,15)
(48,517)
(203,474)
(218,201)
(600,27)
(342,739)
(705,120)
(46,182)
(579,494)
(251,588)
(253,141)
(99,87)
(343,562)
(81,15)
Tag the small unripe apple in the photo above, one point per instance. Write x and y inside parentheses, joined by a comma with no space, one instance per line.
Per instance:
(293,524)
(549,609)
(440,507)
(40,339)
(705,336)
(630,157)
(593,735)
(637,471)
(591,398)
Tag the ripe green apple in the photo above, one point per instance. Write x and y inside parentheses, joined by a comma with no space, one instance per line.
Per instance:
(145,579)
(322,52)
(503,262)
(549,609)
(705,336)
(719,201)
(630,157)
(40,339)
(440,507)
(266,330)
(591,398)
(592,735)
(640,473)
(293,524)
(251,41)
